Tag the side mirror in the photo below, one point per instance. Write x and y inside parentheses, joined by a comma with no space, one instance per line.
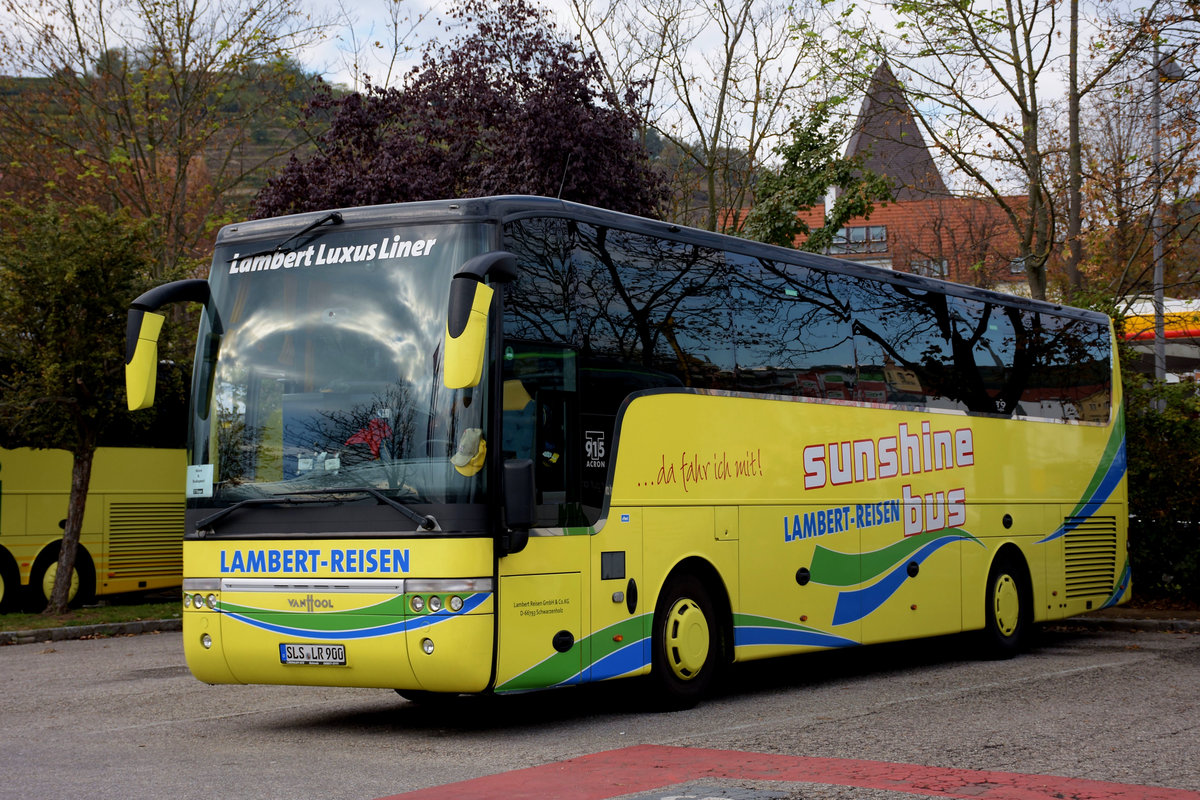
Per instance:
(519,504)
(141,336)
(141,358)
(467,317)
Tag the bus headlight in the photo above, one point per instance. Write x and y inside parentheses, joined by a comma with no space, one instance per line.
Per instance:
(418,604)
(206,641)
(212,601)
(427,646)
(187,601)
(435,604)
(198,601)
(456,603)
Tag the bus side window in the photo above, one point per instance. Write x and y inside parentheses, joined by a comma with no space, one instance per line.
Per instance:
(540,419)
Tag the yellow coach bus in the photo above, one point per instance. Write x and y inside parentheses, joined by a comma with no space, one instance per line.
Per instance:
(513,443)
(131,539)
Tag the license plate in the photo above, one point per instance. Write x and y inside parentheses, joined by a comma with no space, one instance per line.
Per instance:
(331,654)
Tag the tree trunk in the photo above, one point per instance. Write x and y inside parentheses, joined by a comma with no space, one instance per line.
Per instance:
(81,476)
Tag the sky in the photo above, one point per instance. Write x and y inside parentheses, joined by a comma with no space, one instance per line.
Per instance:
(359,24)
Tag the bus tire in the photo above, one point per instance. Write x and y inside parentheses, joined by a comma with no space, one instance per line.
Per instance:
(1008,608)
(10,583)
(41,579)
(686,651)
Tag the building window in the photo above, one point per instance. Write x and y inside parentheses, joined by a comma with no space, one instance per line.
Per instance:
(859,239)
(930,267)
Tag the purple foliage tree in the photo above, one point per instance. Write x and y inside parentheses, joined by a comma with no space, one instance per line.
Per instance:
(507,107)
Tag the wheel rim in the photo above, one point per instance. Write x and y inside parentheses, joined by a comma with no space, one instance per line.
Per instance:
(687,638)
(1006,603)
(48,582)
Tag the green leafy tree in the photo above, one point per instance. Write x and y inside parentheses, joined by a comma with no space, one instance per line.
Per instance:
(165,108)
(65,282)
(1163,443)
(509,106)
(811,165)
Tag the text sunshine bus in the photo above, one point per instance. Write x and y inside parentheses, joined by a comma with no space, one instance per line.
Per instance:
(513,443)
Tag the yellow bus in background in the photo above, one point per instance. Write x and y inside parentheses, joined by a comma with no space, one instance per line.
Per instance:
(132,536)
(506,444)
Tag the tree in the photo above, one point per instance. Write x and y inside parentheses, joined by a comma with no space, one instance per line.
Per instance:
(508,106)
(719,80)
(811,165)
(148,105)
(982,80)
(65,282)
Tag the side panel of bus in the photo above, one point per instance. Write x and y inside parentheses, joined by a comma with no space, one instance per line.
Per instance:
(132,531)
(862,524)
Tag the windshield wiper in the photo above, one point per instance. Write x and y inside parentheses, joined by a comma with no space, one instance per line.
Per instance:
(423,522)
(279,499)
(333,216)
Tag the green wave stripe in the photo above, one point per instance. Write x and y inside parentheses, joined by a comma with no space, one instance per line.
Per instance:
(1116,441)
(395,608)
(759,621)
(834,568)
(562,667)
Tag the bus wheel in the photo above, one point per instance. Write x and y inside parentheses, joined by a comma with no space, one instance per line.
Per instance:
(1008,609)
(10,584)
(45,570)
(685,643)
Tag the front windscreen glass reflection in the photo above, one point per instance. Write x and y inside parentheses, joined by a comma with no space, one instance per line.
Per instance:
(327,374)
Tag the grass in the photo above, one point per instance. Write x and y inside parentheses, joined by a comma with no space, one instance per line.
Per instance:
(110,610)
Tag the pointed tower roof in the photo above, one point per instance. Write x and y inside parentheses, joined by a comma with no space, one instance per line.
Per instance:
(890,140)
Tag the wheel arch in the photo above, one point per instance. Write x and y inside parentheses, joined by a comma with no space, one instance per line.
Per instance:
(703,570)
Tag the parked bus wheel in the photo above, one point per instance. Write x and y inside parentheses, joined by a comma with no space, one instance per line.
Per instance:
(10,583)
(1009,606)
(45,569)
(686,644)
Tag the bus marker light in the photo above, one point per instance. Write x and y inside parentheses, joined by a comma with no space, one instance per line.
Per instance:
(206,640)
(804,617)
(618,638)
(427,646)
(913,606)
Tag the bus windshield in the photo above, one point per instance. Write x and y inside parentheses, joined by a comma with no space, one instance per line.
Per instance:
(319,369)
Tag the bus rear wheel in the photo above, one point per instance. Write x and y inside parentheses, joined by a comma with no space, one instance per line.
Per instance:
(686,644)
(10,584)
(1008,608)
(45,570)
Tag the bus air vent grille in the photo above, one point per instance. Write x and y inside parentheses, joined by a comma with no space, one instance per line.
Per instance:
(145,539)
(1091,555)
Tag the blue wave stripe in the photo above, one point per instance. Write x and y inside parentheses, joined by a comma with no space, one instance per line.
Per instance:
(1090,505)
(469,604)
(750,635)
(854,605)
(628,659)
(1121,588)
